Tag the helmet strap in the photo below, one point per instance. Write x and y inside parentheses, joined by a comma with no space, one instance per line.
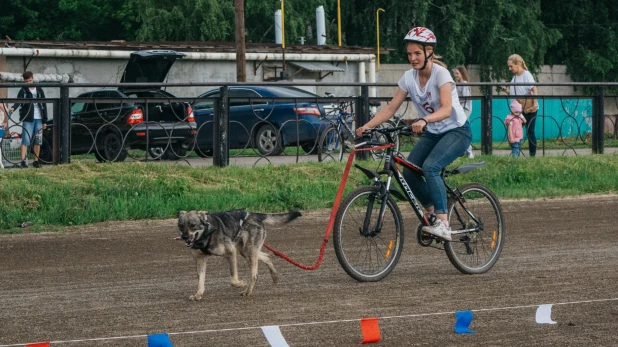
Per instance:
(427,57)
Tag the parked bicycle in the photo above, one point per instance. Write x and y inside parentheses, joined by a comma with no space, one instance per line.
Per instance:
(369,229)
(338,138)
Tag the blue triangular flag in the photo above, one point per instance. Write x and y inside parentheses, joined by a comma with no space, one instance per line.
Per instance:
(462,324)
(159,340)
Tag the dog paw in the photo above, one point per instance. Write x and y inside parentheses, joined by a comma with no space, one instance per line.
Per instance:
(239,284)
(275,278)
(246,294)
(195,297)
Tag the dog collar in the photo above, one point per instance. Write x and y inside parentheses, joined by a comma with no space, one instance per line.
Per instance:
(198,243)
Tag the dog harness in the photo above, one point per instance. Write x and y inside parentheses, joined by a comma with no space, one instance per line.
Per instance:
(199,244)
(209,232)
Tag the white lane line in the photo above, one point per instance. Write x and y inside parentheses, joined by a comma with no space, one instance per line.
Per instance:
(320,322)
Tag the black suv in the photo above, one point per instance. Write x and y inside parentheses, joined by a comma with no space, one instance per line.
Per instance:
(110,129)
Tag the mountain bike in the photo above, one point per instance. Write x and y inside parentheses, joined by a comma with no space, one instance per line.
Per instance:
(369,230)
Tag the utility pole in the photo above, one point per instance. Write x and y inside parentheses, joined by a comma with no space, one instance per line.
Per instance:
(241,66)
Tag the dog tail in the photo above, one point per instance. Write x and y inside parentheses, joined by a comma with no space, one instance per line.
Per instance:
(280,218)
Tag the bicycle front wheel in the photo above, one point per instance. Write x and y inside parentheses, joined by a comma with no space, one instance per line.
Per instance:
(368,255)
(479,211)
(330,147)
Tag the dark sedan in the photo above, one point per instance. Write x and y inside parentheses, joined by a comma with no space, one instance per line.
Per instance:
(113,122)
(266,118)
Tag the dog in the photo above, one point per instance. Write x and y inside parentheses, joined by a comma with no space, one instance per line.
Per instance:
(225,234)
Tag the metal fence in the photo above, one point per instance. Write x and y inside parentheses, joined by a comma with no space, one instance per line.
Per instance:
(563,123)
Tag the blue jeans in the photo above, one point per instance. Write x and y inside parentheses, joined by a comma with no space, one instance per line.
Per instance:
(530,123)
(433,152)
(30,128)
(515,149)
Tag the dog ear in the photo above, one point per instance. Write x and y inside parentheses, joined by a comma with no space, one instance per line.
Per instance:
(181,213)
(203,216)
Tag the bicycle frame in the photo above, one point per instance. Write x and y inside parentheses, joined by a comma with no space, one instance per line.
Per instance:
(391,169)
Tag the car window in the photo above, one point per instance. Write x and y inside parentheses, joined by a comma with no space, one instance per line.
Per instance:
(77,107)
(245,94)
(114,95)
(202,105)
(104,94)
(292,92)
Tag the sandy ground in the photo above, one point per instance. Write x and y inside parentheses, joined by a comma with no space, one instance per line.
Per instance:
(121,281)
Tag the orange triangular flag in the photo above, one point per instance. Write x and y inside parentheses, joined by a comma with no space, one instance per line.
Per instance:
(38,344)
(370,330)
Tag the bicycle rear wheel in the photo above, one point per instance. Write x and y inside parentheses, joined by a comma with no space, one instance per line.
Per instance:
(365,255)
(331,147)
(477,251)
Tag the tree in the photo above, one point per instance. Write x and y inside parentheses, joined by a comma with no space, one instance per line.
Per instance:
(483,32)
(184,20)
(589,42)
(93,20)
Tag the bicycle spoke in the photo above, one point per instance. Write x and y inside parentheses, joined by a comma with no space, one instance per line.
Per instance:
(367,255)
(478,250)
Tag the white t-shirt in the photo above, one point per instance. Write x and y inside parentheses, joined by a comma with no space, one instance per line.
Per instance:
(466,104)
(526,77)
(37,111)
(427,100)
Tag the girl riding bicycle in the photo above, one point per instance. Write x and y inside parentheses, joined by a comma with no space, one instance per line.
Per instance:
(442,122)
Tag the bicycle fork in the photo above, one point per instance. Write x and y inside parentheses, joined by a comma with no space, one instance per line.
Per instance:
(367,231)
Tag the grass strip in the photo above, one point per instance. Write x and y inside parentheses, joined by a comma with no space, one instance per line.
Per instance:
(83,193)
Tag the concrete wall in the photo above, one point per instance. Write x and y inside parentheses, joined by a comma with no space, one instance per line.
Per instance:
(208,71)
(183,71)
(391,73)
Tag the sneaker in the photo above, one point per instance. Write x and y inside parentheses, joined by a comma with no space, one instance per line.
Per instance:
(23,164)
(439,229)
(36,164)
(469,154)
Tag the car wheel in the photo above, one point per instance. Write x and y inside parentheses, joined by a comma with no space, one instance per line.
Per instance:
(156,152)
(113,149)
(268,140)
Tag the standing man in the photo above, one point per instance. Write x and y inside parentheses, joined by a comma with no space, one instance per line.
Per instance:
(34,116)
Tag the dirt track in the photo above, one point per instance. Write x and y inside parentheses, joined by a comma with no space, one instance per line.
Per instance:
(131,279)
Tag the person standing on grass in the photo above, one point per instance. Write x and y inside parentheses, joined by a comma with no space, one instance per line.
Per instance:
(514,130)
(518,67)
(461,76)
(34,116)
(442,122)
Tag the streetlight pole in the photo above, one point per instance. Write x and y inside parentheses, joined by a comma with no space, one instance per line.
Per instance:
(378,34)
(283,37)
(282,25)
(339,21)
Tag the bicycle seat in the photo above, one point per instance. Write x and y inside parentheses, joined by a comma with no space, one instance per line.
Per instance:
(465,168)
(374,103)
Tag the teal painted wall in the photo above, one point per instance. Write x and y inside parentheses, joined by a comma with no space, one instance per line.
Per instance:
(555,118)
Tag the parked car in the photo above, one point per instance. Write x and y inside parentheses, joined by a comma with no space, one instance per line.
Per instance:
(259,121)
(109,130)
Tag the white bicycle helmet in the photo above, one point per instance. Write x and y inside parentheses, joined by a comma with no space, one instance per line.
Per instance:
(423,37)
